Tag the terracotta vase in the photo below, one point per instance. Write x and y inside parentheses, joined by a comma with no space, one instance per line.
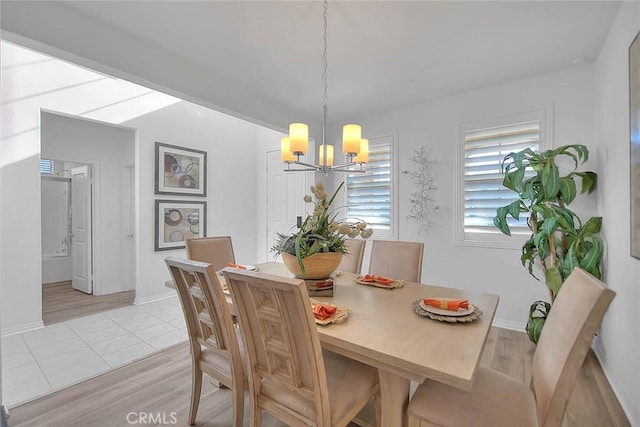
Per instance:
(317,266)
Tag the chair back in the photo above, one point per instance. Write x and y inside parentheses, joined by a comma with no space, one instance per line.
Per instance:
(352,261)
(565,339)
(398,260)
(217,251)
(287,373)
(206,312)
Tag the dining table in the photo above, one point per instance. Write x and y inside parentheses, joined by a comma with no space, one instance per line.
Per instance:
(384,331)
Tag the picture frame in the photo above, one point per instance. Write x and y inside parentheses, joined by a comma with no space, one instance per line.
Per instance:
(178,220)
(634,143)
(180,170)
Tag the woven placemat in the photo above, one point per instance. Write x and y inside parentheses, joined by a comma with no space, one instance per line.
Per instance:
(451,319)
(340,316)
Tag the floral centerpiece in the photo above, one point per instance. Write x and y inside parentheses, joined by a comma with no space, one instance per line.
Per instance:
(321,232)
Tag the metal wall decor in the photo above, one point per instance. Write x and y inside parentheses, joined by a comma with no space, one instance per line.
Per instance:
(421,201)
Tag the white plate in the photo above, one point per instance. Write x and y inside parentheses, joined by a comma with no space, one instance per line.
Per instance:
(443,312)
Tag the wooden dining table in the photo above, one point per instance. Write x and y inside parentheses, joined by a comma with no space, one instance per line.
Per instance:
(383,331)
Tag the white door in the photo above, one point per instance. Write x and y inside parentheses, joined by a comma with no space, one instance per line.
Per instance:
(81,248)
(285,193)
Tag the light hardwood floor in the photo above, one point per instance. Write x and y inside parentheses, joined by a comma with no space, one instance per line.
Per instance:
(160,385)
(60,302)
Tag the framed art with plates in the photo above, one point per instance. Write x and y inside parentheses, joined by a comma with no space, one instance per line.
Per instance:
(178,220)
(180,170)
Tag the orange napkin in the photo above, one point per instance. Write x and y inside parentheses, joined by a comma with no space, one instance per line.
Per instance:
(241,267)
(377,279)
(323,312)
(453,305)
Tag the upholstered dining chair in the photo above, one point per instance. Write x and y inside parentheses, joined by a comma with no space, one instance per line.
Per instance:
(214,341)
(396,259)
(352,261)
(216,250)
(290,376)
(499,400)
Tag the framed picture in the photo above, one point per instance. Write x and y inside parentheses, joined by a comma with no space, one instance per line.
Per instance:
(178,220)
(180,170)
(634,131)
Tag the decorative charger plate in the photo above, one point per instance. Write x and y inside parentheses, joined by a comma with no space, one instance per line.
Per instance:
(417,307)
(395,284)
(340,315)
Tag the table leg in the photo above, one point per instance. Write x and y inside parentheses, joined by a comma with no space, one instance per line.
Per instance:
(394,392)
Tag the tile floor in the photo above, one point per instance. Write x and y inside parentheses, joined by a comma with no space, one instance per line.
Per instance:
(39,362)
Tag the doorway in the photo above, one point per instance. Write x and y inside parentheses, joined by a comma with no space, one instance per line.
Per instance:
(67,224)
(98,159)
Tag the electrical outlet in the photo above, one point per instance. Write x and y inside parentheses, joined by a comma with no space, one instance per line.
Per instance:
(299,221)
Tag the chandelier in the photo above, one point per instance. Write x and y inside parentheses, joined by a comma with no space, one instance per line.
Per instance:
(295,145)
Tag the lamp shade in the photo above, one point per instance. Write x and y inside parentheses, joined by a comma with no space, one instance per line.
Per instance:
(329,155)
(298,138)
(363,155)
(351,136)
(285,150)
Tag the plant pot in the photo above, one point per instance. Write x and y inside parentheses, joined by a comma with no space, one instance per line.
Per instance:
(317,266)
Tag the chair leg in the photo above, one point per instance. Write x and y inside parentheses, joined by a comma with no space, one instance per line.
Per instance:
(196,389)
(256,414)
(238,405)
(377,401)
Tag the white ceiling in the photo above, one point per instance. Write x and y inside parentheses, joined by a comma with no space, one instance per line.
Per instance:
(258,57)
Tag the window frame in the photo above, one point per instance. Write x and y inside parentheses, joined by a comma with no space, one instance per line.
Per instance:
(392,138)
(493,238)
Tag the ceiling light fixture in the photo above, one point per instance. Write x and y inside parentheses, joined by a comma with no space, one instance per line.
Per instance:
(295,145)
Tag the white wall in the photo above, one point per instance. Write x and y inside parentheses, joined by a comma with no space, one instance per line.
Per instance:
(231,183)
(434,125)
(618,346)
(111,149)
(31,82)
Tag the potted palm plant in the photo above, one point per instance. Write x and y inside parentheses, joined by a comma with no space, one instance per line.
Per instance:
(560,240)
(316,249)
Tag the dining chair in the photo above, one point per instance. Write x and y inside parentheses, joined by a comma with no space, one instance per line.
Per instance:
(396,259)
(352,260)
(214,342)
(290,376)
(216,250)
(499,400)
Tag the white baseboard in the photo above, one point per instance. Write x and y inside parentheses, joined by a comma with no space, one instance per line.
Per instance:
(22,328)
(158,297)
(508,324)
(626,407)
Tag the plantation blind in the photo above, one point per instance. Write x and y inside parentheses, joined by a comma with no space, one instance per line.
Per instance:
(484,151)
(369,194)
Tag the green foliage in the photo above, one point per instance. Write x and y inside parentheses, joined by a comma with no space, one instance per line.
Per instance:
(321,231)
(538,313)
(559,240)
